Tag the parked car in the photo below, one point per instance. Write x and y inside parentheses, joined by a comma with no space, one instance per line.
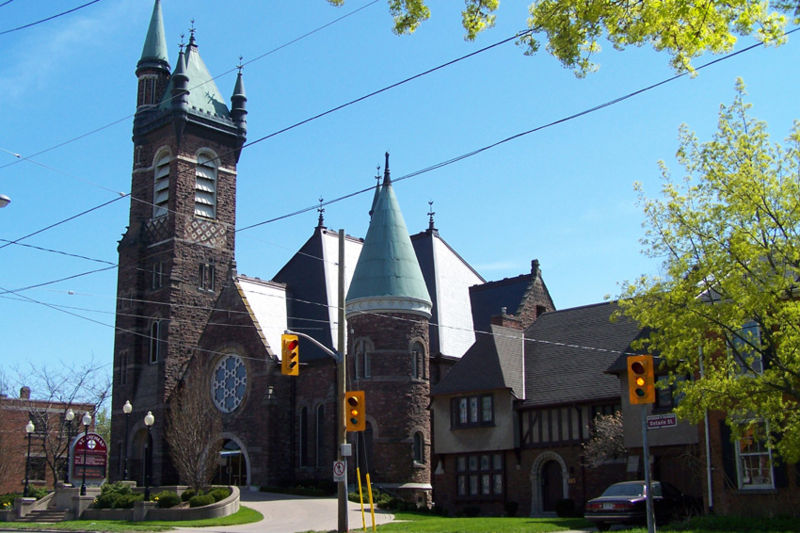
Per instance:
(625,503)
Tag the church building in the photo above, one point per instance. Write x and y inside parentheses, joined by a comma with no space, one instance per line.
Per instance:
(184,313)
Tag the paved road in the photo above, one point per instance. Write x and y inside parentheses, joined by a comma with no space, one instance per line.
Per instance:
(291,514)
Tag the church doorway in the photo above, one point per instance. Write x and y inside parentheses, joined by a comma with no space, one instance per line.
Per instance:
(231,465)
(551,485)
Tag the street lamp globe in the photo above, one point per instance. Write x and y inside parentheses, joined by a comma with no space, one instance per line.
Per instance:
(87,418)
(127,408)
(70,416)
(149,419)
(29,427)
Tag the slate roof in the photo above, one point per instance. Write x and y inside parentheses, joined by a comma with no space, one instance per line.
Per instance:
(493,362)
(567,354)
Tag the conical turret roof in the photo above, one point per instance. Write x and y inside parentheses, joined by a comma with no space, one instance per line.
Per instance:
(387,277)
(154,51)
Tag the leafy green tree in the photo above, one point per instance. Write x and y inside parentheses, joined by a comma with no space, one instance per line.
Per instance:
(726,309)
(573,29)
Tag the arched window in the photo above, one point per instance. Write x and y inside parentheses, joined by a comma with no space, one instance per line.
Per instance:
(419,448)
(363,369)
(418,369)
(157,339)
(205,186)
(161,185)
(320,431)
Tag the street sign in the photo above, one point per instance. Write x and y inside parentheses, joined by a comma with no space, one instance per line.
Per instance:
(662,421)
(338,471)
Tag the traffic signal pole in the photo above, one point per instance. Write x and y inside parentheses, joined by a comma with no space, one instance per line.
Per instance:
(651,523)
(341,382)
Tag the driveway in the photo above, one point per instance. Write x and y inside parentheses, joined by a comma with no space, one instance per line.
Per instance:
(284,513)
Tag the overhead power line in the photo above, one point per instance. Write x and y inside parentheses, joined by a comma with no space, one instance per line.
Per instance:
(87,4)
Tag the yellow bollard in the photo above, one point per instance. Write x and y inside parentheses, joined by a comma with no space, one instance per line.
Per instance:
(361,498)
(371,504)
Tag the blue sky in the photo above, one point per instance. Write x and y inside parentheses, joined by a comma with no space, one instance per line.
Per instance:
(563,195)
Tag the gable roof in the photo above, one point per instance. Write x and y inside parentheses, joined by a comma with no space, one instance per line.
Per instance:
(493,362)
(514,294)
(567,353)
(265,301)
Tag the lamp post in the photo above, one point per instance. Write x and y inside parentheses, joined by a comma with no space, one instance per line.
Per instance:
(127,408)
(87,419)
(69,417)
(29,427)
(149,420)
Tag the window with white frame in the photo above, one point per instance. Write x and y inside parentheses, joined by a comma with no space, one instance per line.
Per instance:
(754,459)
(205,186)
(161,185)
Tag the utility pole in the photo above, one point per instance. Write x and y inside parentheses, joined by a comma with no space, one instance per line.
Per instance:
(342,382)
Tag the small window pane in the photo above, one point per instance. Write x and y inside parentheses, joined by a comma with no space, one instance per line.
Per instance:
(461,464)
(486,409)
(473,409)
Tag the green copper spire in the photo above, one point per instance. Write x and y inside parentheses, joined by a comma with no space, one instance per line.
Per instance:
(154,52)
(204,96)
(387,277)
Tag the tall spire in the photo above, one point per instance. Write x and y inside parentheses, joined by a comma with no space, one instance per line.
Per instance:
(387,277)
(154,52)
(239,104)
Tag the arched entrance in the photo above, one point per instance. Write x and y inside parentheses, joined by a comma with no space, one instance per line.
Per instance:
(548,482)
(551,485)
(232,465)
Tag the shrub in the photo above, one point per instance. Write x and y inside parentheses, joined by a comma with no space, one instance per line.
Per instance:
(200,500)
(220,493)
(167,498)
(7,500)
(185,495)
(116,496)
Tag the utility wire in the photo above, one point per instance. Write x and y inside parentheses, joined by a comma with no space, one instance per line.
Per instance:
(87,4)
(225,73)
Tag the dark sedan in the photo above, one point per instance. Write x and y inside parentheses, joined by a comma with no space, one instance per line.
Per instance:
(624,503)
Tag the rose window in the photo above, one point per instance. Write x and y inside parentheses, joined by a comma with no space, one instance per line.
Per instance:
(229,383)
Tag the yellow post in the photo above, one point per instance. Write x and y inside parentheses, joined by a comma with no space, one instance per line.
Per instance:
(361,499)
(371,505)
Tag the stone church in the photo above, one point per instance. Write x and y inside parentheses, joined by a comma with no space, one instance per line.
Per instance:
(413,307)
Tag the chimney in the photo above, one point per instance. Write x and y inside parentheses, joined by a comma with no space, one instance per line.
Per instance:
(25,393)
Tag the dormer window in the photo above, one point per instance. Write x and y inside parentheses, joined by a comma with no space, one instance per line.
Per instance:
(205,187)
(161,186)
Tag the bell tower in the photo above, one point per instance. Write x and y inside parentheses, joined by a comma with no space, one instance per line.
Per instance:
(177,252)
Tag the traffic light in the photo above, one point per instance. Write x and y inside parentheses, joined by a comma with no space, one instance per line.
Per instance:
(355,416)
(641,380)
(290,355)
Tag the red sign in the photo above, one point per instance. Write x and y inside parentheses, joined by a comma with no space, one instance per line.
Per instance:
(89,453)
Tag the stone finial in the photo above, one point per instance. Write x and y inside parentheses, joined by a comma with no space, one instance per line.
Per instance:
(535,267)
(431,212)
(321,211)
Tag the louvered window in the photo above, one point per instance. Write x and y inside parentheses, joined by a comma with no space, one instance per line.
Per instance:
(161,189)
(205,188)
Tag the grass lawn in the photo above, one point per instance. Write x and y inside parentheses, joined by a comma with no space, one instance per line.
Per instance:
(245,515)
(426,523)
